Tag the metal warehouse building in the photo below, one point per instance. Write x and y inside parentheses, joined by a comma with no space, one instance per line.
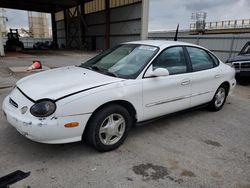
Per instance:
(91,24)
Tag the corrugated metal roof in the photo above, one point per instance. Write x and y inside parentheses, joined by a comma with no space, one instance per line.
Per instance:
(40,5)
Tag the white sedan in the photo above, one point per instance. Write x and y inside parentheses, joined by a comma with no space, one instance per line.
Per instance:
(102,98)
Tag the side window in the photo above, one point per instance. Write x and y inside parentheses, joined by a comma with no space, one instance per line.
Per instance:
(216,61)
(200,59)
(172,59)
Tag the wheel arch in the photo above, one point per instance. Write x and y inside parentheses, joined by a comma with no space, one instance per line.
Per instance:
(127,105)
(227,86)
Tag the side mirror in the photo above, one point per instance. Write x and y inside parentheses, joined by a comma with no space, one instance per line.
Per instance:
(157,72)
(160,72)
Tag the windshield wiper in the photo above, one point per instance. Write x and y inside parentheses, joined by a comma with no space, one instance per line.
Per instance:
(112,74)
(94,67)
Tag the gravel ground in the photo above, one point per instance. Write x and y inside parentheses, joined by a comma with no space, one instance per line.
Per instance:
(192,149)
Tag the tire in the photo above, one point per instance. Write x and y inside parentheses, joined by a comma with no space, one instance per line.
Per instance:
(219,99)
(108,127)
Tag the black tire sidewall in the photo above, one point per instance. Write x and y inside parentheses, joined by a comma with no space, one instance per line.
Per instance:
(96,122)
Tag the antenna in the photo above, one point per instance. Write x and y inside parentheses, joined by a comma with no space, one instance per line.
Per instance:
(176,33)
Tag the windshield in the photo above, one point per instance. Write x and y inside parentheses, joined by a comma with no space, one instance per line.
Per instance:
(124,61)
(245,49)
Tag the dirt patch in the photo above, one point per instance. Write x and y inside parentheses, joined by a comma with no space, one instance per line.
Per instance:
(150,171)
(187,173)
(173,164)
(240,185)
(154,172)
(215,174)
(212,143)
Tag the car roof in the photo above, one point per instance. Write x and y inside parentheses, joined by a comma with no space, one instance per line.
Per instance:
(161,43)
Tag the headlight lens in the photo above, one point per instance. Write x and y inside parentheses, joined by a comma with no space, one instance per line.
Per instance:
(43,108)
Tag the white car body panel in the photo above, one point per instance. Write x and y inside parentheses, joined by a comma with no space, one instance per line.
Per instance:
(204,85)
(79,92)
(61,81)
(164,95)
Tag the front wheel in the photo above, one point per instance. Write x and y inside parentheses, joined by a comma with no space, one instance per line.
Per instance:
(219,99)
(108,127)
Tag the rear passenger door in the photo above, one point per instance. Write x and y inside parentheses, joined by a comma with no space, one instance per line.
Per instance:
(205,75)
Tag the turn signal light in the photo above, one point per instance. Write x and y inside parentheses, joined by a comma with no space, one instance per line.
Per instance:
(71,125)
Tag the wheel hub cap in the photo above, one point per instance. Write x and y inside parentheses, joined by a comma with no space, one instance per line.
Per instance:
(112,129)
(220,97)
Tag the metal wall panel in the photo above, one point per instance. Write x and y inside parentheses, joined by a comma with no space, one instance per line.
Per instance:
(96,18)
(61,37)
(117,40)
(96,30)
(223,45)
(59,16)
(128,12)
(125,23)
(126,28)
(60,25)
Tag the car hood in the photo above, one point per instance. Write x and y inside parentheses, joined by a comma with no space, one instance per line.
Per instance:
(57,83)
(242,57)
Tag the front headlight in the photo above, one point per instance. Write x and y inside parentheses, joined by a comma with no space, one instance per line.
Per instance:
(43,108)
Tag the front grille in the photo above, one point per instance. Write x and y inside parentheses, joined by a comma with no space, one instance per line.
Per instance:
(245,65)
(236,65)
(13,103)
(242,66)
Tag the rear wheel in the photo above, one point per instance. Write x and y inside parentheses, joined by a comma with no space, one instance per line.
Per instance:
(219,98)
(108,127)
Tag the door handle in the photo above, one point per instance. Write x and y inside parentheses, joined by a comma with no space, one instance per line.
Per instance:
(185,82)
(217,76)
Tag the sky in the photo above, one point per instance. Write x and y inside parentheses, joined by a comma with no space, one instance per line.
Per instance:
(166,14)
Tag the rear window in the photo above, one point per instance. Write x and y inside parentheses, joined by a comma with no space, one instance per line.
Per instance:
(200,59)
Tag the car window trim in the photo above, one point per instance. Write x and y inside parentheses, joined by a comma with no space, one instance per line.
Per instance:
(185,57)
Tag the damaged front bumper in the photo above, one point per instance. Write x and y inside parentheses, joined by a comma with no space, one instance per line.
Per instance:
(49,130)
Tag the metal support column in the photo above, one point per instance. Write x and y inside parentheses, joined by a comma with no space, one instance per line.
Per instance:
(144,21)
(107,13)
(1,43)
(54,29)
(65,25)
(74,27)
(84,26)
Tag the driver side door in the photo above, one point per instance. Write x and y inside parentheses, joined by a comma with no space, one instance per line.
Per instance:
(167,94)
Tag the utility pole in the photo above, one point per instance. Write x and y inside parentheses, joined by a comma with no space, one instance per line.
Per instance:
(1,42)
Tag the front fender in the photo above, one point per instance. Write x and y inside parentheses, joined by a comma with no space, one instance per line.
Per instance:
(87,102)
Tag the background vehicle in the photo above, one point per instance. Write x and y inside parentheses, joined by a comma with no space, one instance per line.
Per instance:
(241,62)
(13,43)
(44,45)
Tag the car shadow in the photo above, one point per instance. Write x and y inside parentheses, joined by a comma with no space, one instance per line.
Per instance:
(23,151)
(167,121)
(244,81)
